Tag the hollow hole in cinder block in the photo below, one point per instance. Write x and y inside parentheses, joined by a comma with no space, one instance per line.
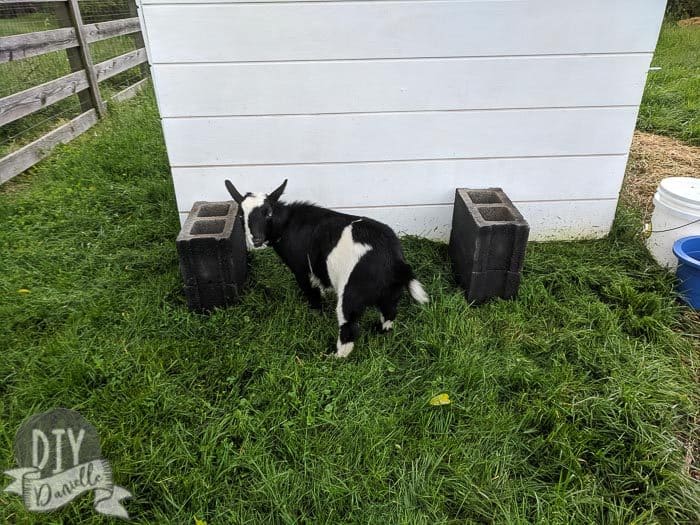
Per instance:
(497,214)
(207,227)
(213,210)
(484,197)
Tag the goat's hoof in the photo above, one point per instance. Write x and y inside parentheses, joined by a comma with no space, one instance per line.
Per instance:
(382,328)
(376,328)
(343,350)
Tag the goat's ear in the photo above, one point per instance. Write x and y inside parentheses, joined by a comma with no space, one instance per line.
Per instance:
(275,195)
(234,192)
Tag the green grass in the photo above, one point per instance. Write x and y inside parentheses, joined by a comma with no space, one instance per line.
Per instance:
(28,23)
(671,103)
(570,405)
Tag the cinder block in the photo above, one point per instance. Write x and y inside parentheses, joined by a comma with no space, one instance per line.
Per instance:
(487,243)
(213,257)
(205,297)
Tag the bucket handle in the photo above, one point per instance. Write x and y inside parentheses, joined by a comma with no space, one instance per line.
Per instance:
(669,229)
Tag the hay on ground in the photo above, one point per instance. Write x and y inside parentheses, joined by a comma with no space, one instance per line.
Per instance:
(695,21)
(653,158)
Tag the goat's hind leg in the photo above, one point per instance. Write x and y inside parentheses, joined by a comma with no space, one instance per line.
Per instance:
(388,307)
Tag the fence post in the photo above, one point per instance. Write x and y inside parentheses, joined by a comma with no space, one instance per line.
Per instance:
(138,37)
(80,57)
(76,63)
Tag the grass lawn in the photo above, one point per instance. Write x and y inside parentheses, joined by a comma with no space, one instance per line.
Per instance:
(573,404)
(671,104)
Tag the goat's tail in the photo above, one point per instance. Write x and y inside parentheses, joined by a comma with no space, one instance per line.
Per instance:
(415,288)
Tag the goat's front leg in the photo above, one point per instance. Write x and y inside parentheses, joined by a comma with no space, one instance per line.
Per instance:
(349,313)
(312,294)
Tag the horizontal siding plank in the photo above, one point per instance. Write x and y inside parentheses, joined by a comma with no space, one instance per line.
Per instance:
(116,65)
(24,158)
(561,220)
(112,28)
(27,45)
(355,30)
(397,85)
(554,220)
(179,2)
(398,136)
(33,99)
(410,183)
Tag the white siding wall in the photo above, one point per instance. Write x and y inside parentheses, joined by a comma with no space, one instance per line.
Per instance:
(383,108)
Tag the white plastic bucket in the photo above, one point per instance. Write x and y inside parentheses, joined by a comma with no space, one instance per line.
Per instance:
(676,210)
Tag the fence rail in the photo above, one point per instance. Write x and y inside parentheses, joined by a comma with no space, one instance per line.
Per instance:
(84,80)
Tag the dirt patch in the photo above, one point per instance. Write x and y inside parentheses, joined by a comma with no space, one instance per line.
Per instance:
(695,21)
(653,158)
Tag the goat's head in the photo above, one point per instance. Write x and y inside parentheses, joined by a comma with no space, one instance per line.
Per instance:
(257,210)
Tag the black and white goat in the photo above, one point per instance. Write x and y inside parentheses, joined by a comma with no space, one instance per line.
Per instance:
(360,258)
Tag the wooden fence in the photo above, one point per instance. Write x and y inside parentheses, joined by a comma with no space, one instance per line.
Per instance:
(83,81)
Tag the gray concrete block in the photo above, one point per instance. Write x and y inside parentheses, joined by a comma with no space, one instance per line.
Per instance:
(487,243)
(203,298)
(212,251)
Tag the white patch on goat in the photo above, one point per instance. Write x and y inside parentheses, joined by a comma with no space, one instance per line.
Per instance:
(344,349)
(340,263)
(386,325)
(315,281)
(415,288)
(248,204)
